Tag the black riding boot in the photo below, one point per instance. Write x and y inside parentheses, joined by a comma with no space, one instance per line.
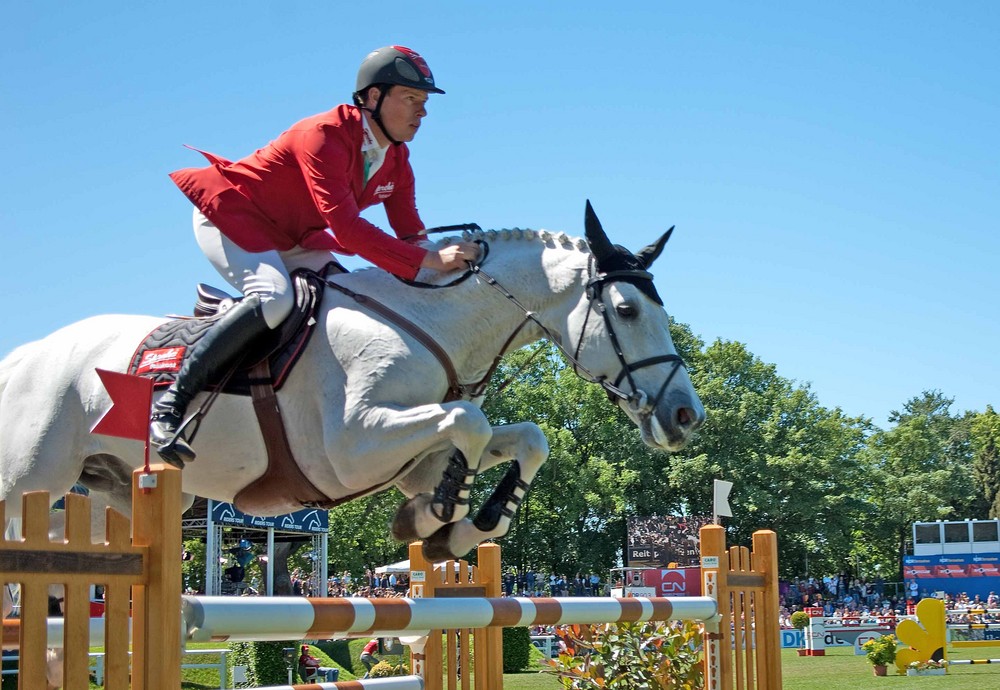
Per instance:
(217,350)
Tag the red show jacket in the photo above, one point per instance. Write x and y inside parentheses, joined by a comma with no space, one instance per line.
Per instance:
(309,179)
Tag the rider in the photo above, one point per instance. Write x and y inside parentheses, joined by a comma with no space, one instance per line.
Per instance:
(291,203)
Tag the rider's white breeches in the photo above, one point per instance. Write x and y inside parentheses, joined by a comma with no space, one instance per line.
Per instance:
(264,274)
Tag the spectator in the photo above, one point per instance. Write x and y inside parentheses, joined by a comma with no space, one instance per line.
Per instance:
(368,657)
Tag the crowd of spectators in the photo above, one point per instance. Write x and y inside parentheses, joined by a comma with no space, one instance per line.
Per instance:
(859,601)
(372,585)
(855,599)
(538,584)
(965,609)
(675,538)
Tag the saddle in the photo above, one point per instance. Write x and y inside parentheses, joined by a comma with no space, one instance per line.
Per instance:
(283,487)
(160,355)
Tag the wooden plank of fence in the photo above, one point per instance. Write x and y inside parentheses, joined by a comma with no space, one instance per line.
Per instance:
(76,609)
(117,600)
(765,559)
(737,563)
(156,524)
(719,652)
(34,594)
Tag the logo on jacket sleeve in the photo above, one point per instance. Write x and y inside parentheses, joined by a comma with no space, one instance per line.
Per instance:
(384,191)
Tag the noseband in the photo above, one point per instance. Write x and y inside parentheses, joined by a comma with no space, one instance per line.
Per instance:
(595,294)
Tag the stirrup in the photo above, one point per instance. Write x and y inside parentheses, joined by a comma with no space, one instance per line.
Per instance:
(175,452)
(165,436)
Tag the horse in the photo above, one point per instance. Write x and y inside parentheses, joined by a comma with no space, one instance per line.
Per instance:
(372,403)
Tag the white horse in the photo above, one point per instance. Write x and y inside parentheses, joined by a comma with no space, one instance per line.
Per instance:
(363,407)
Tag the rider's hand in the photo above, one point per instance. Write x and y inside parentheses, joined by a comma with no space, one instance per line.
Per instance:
(452,257)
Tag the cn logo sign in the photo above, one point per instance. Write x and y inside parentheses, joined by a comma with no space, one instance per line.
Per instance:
(672,582)
(861,639)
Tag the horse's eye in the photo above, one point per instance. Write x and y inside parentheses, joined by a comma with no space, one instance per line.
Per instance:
(627,311)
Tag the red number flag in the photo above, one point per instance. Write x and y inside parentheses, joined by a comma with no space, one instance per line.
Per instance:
(131,398)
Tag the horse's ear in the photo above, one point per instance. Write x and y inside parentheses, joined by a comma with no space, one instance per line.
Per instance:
(598,241)
(648,255)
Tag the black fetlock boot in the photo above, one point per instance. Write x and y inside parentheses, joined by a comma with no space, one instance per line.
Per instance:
(217,350)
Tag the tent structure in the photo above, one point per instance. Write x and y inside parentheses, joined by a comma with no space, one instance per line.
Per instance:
(400,567)
(404,567)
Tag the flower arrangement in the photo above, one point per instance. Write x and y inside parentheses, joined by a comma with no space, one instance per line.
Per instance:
(926,668)
(881,651)
(926,665)
(385,669)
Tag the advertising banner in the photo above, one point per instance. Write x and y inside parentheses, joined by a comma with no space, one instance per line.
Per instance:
(673,582)
(972,573)
(309,520)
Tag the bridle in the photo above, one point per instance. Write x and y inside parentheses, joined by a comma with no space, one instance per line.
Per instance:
(595,296)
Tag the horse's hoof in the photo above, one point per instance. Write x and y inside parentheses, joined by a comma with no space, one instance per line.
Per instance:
(404,524)
(437,547)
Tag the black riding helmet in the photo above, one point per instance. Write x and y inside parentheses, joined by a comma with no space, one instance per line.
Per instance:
(392,66)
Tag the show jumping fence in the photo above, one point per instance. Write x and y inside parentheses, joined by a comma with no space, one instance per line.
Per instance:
(451,610)
(142,572)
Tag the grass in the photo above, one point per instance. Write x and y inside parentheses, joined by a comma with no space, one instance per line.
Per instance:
(840,669)
(849,672)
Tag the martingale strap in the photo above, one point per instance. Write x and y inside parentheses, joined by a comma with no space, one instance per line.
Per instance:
(283,478)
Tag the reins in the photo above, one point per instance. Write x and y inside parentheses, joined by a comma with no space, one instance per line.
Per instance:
(595,295)
(463,227)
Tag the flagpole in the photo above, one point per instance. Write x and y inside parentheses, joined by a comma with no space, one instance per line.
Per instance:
(149,410)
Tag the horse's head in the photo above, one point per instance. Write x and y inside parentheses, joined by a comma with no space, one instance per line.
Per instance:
(625,341)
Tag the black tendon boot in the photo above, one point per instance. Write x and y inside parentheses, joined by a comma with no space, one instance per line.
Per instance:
(218,349)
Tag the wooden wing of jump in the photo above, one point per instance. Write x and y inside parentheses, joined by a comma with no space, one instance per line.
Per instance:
(138,574)
(743,648)
(447,661)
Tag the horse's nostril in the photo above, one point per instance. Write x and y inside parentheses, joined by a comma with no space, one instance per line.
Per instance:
(684,417)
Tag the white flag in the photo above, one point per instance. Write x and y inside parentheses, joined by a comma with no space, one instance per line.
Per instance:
(721,498)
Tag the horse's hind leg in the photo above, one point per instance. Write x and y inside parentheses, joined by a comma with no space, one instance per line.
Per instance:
(525,447)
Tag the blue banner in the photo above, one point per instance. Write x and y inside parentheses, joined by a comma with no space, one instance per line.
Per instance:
(308,520)
(954,573)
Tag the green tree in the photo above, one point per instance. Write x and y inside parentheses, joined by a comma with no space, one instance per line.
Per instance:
(794,464)
(985,441)
(919,470)
(598,470)
(359,534)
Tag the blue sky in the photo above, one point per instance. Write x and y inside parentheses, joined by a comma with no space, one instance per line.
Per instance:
(832,168)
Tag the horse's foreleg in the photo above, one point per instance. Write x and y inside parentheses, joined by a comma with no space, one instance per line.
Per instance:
(427,513)
(448,439)
(525,446)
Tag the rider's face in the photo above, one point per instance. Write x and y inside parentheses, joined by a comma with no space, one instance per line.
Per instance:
(402,111)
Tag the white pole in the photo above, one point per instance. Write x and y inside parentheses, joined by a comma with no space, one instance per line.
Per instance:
(270,563)
(211,551)
(323,570)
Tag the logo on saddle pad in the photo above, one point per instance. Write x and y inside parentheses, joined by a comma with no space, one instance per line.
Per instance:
(162,359)
(384,191)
